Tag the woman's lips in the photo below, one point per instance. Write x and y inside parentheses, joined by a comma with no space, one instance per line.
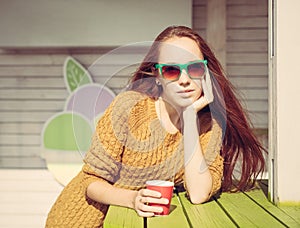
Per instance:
(186,93)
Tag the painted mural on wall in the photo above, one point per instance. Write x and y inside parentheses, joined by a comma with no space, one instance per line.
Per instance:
(66,136)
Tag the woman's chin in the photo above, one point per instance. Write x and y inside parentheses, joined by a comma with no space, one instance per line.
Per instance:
(185,103)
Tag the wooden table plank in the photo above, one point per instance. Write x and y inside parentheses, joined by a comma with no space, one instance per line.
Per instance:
(122,217)
(250,209)
(176,218)
(245,212)
(209,214)
(293,211)
(289,215)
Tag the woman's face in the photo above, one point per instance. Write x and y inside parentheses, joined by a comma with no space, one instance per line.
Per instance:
(184,91)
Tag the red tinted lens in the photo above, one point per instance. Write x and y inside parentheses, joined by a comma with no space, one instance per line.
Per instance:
(170,72)
(196,70)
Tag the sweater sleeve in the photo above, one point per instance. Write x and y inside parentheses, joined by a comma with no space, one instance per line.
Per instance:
(211,142)
(104,158)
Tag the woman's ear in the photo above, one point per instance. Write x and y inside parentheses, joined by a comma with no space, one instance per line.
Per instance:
(154,70)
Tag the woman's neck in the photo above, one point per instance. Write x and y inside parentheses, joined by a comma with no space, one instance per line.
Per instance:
(170,116)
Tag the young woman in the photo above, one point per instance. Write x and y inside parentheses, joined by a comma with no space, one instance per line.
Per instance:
(179,121)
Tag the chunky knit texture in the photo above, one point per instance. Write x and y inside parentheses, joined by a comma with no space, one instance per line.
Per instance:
(128,148)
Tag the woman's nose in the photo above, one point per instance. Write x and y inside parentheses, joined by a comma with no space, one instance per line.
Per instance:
(184,78)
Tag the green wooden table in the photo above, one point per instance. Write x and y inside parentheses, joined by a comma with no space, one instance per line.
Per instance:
(243,209)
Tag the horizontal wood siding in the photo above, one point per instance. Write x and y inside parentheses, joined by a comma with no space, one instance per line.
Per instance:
(199,17)
(247,55)
(247,52)
(32,87)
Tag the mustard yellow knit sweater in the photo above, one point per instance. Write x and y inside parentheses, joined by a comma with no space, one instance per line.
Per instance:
(128,148)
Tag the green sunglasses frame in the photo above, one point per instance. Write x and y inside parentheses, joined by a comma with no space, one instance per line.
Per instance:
(184,66)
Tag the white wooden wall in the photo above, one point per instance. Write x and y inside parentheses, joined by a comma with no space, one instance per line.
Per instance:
(285,109)
(32,87)
(26,197)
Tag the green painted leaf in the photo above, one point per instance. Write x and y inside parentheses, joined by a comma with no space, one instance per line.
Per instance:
(75,75)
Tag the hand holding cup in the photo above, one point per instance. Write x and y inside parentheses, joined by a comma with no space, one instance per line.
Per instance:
(165,188)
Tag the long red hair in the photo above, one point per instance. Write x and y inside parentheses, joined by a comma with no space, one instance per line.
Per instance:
(239,141)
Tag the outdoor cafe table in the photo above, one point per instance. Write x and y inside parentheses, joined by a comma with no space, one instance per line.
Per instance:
(243,209)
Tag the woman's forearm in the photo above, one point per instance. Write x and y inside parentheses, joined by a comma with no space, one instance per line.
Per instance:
(197,174)
(106,193)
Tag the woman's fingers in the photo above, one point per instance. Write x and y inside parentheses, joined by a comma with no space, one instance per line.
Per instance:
(207,88)
(200,103)
(147,200)
(146,197)
(146,208)
(144,214)
(207,97)
(148,192)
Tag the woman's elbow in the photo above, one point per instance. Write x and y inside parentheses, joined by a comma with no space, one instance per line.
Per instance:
(199,198)
(91,190)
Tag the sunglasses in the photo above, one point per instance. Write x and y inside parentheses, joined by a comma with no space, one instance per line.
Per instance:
(195,69)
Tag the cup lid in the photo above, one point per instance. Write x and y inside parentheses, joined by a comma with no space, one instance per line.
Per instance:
(162,183)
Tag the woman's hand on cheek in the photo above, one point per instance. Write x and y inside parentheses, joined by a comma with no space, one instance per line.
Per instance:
(207,96)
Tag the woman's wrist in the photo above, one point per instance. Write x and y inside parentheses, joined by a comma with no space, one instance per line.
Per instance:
(127,197)
(190,123)
(131,203)
(106,193)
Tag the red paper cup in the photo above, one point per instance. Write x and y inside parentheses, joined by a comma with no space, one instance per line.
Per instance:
(166,190)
